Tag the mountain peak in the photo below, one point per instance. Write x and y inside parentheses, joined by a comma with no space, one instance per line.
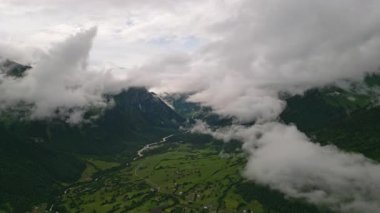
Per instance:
(12,68)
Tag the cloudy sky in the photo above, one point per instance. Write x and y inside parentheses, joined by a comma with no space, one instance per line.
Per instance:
(129,31)
(235,56)
(265,46)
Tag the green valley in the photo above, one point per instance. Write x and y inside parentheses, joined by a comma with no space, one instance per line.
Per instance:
(204,176)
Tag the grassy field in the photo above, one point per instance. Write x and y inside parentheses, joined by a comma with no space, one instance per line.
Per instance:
(93,166)
(177,177)
(183,177)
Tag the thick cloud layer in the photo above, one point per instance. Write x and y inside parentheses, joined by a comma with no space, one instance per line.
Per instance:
(60,84)
(255,49)
(271,46)
(286,160)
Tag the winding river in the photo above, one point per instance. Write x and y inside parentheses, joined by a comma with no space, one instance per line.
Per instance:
(151,146)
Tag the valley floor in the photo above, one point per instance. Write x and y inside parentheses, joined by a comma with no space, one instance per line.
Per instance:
(181,178)
(175,177)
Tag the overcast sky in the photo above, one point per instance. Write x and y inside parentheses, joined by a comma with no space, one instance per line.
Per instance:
(129,31)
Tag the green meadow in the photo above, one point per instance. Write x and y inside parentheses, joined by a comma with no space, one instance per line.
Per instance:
(181,178)
(176,177)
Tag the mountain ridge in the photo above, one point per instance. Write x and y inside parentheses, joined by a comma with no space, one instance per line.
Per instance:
(43,153)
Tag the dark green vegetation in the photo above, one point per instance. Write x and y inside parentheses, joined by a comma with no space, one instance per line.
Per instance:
(37,158)
(359,132)
(202,176)
(347,118)
(319,107)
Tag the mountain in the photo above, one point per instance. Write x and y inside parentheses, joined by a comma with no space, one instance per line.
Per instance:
(194,111)
(153,110)
(138,116)
(345,116)
(318,107)
(37,156)
(11,68)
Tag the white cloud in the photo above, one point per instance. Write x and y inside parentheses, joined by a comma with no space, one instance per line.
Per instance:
(128,27)
(272,46)
(286,160)
(61,80)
